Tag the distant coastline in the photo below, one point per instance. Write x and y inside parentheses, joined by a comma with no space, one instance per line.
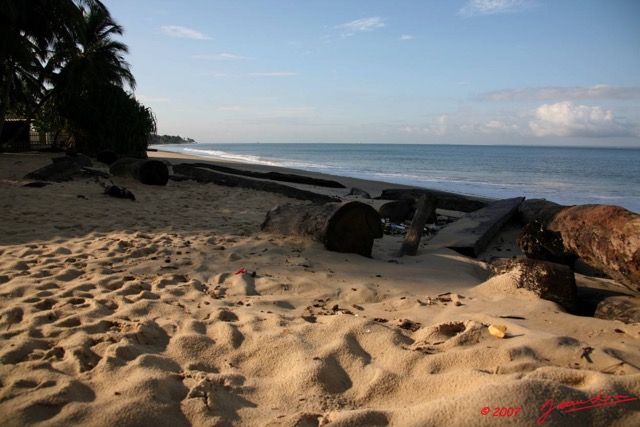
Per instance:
(169,139)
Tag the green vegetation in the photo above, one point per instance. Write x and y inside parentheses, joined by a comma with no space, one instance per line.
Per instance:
(169,139)
(63,69)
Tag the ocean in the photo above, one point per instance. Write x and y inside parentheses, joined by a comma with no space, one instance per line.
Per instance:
(565,175)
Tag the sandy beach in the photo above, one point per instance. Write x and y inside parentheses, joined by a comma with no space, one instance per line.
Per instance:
(176,309)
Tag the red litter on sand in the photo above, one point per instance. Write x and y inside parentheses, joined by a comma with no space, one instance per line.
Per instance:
(241,271)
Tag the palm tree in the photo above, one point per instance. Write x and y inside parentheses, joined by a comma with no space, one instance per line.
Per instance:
(28,30)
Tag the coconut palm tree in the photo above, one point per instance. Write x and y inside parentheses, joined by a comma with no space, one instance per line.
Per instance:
(28,29)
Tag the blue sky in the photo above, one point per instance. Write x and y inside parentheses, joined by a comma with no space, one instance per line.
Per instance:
(547,72)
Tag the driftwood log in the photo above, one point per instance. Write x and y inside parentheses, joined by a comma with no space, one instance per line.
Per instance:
(205,175)
(150,172)
(605,237)
(347,227)
(272,176)
(426,207)
(446,200)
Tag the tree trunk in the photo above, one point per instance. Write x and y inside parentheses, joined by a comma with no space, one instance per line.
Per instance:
(426,207)
(603,236)
(150,172)
(206,175)
(342,227)
(446,200)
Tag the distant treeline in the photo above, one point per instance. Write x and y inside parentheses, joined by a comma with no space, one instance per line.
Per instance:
(169,139)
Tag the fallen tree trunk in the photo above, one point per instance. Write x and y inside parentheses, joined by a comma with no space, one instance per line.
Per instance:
(426,207)
(150,172)
(273,176)
(347,227)
(446,200)
(603,236)
(205,175)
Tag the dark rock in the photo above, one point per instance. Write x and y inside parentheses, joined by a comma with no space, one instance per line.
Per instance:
(553,282)
(60,171)
(536,242)
(108,157)
(355,191)
(79,159)
(623,308)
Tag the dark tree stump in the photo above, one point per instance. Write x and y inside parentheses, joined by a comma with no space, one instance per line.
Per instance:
(426,207)
(149,172)
(342,227)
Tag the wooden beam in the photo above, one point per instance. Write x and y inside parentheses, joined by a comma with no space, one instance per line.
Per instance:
(471,234)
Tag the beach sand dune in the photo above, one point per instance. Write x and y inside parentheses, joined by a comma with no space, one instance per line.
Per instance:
(175,309)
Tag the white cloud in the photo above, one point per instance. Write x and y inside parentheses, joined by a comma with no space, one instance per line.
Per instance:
(406,37)
(600,91)
(490,7)
(361,25)
(221,57)
(563,119)
(567,119)
(184,33)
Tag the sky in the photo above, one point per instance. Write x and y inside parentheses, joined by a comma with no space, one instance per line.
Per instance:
(519,72)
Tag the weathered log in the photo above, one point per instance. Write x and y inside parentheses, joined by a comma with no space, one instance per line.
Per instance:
(603,236)
(149,172)
(540,210)
(471,234)
(273,176)
(537,242)
(623,308)
(446,200)
(108,157)
(553,282)
(347,227)
(426,207)
(398,210)
(204,175)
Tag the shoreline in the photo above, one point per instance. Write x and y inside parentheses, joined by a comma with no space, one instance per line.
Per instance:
(175,309)
(373,187)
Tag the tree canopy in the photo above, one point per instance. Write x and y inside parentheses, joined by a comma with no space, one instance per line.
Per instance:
(63,66)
